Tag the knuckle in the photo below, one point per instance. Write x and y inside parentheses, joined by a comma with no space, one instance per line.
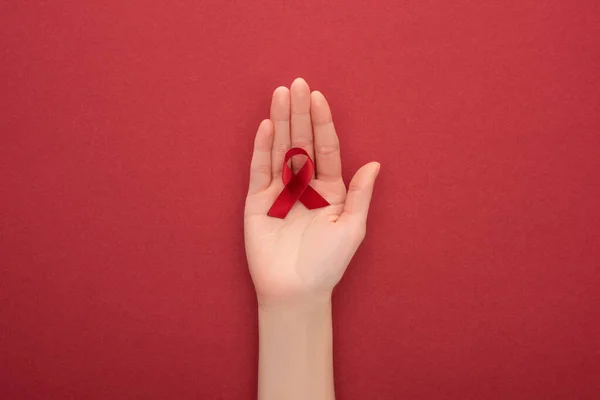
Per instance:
(327,149)
(261,168)
(281,147)
(354,187)
(261,147)
(303,141)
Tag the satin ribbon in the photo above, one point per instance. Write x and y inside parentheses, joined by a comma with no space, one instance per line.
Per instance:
(297,187)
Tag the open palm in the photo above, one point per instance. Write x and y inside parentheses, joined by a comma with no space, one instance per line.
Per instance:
(308,251)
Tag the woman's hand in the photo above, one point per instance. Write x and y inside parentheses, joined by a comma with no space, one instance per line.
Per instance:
(305,254)
(295,262)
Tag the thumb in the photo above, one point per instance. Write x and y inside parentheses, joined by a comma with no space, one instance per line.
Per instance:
(360,190)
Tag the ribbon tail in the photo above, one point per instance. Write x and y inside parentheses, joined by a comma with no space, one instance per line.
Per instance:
(312,199)
(282,205)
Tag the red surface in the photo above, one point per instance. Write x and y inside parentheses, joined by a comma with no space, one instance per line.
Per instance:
(126,134)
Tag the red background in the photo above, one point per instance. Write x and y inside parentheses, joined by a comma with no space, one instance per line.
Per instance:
(126,133)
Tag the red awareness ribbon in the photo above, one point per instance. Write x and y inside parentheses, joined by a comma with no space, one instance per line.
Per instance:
(297,187)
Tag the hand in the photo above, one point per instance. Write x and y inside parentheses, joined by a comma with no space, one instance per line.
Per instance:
(306,253)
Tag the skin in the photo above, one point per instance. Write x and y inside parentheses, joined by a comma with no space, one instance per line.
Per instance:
(296,262)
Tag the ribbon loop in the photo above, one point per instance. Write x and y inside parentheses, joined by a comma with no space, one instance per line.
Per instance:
(297,187)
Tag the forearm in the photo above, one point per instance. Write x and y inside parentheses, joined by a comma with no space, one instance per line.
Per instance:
(295,351)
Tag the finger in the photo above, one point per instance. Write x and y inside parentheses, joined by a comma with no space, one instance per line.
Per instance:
(260,166)
(327,144)
(359,194)
(280,115)
(302,135)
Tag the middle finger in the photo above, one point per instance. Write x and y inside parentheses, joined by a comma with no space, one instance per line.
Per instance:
(302,135)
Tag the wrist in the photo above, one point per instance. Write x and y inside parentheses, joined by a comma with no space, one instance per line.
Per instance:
(294,304)
(296,321)
(295,349)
